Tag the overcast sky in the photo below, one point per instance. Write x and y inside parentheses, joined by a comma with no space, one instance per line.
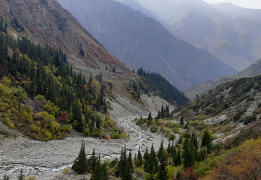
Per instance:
(256,4)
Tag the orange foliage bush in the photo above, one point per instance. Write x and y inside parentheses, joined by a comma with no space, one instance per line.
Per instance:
(188,174)
(240,163)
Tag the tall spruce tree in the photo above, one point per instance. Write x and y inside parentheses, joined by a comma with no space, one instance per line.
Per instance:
(152,163)
(139,160)
(93,160)
(188,153)
(80,165)
(130,162)
(178,159)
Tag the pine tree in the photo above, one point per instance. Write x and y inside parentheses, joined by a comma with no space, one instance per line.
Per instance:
(173,152)
(122,163)
(104,171)
(130,162)
(162,156)
(181,121)
(146,159)
(162,175)
(207,140)
(127,172)
(178,159)
(150,117)
(188,153)
(139,160)
(80,165)
(92,161)
(77,116)
(97,173)
(152,163)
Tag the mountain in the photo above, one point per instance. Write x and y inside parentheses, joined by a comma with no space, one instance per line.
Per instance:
(251,71)
(236,102)
(45,21)
(228,32)
(63,73)
(140,41)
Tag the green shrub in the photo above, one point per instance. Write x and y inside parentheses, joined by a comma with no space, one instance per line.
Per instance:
(170,124)
(115,135)
(51,108)
(8,122)
(34,128)
(153,128)
(26,117)
(47,135)
(171,137)
(175,130)
(202,167)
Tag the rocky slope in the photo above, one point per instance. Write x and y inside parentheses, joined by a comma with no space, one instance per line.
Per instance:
(231,110)
(228,32)
(251,71)
(140,41)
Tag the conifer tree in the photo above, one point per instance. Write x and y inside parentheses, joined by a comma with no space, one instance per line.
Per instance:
(207,140)
(97,173)
(152,163)
(130,161)
(173,152)
(139,160)
(178,159)
(162,175)
(92,161)
(77,116)
(122,162)
(146,160)
(181,121)
(150,117)
(80,165)
(104,171)
(162,156)
(188,153)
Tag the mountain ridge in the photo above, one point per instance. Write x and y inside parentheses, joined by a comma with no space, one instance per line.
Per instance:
(140,41)
(229,33)
(252,71)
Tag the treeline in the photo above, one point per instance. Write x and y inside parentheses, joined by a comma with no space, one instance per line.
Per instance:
(174,162)
(43,70)
(162,87)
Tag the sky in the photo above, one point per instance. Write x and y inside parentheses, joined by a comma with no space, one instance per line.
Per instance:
(255,4)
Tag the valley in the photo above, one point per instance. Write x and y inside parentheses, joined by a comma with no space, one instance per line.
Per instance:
(47,160)
(165,110)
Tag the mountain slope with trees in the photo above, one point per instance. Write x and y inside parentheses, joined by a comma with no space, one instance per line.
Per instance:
(140,41)
(49,87)
(45,21)
(251,71)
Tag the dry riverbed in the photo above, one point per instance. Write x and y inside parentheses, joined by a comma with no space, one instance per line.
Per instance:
(47,160)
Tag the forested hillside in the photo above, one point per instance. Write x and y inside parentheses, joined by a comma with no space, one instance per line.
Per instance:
(55,98)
